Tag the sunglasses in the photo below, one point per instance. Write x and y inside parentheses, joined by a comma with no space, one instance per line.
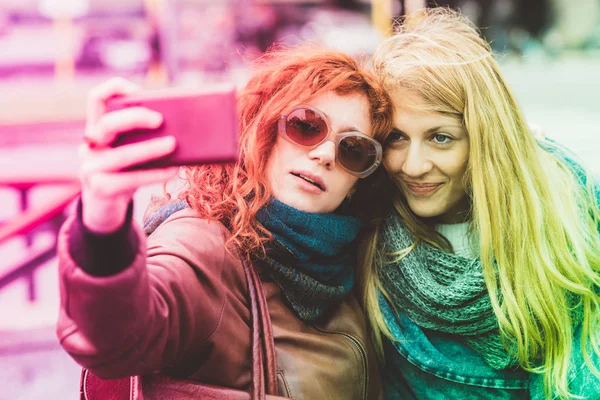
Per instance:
(357,153)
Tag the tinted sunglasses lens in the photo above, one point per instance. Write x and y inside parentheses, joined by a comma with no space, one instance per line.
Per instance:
(305,127)
(356,153)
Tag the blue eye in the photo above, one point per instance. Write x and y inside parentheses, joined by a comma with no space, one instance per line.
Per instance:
(440,138)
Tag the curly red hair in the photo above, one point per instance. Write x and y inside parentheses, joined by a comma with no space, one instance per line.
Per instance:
(233,194)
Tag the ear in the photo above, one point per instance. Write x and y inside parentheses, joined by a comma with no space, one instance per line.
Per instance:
(351,192)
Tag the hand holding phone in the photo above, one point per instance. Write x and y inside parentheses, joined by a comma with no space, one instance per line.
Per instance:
(203,122)
(146,132)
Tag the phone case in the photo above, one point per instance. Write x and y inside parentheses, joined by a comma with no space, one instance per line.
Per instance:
(204,124)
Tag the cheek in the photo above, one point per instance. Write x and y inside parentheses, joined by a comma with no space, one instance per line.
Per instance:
(458,175)
(275,165)
(392,161)
(272,162)
(341,184)
(452,163)
(351,184)
(281,155)
(458,169)
(462,174)
(463,164)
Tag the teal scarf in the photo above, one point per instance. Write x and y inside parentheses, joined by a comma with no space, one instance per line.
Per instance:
(312,258)
(447,293)
(442,291)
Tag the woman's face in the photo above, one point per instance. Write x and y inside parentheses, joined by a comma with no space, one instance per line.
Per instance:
(309,179)
(427,156)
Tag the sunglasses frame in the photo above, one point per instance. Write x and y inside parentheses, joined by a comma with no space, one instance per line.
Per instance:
(282,130)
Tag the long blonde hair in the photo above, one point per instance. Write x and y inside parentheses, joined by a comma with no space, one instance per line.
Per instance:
(538,230)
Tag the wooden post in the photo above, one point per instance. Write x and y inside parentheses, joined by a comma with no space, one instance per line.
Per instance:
(64,65)
(157,73)
(414,5)
(381,16)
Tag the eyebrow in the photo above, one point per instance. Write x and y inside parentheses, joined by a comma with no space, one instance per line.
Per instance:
(430,130)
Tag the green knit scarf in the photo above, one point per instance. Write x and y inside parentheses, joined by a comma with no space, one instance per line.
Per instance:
(445,292)
(442,291)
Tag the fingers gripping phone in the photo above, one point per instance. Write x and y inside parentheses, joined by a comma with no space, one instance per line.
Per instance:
(204,124)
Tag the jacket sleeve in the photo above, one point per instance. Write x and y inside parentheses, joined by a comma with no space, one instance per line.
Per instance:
(160,309)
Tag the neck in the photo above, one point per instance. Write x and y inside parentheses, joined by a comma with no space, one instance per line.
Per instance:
(459,213)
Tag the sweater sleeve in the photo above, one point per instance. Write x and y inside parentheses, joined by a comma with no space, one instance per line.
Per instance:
(157,311)
(102,254)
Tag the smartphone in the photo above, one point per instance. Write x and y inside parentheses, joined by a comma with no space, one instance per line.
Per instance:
(204,123)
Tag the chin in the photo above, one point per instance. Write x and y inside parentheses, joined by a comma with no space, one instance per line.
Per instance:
(427,214)
(302,203)
(298,203)
(423,212)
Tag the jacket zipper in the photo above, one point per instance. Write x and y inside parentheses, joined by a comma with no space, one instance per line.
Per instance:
(363,356)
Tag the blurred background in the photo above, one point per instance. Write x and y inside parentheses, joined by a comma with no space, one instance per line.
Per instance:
(53,51)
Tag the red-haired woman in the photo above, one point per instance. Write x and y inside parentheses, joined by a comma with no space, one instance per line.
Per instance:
(176,301)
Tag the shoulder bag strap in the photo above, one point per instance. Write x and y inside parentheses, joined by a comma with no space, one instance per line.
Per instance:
(258,384)
(262,323)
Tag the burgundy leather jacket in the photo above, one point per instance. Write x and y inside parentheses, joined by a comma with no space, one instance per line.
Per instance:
(182,308)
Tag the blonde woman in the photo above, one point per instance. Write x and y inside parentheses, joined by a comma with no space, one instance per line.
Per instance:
(482,280)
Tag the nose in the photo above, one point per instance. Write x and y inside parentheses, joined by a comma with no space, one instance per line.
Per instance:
(324,154)
(417,163)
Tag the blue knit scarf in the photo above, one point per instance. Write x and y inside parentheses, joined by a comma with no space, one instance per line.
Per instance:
(312,258)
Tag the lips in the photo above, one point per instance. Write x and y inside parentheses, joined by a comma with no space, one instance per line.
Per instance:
(311,178)
(422,189)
